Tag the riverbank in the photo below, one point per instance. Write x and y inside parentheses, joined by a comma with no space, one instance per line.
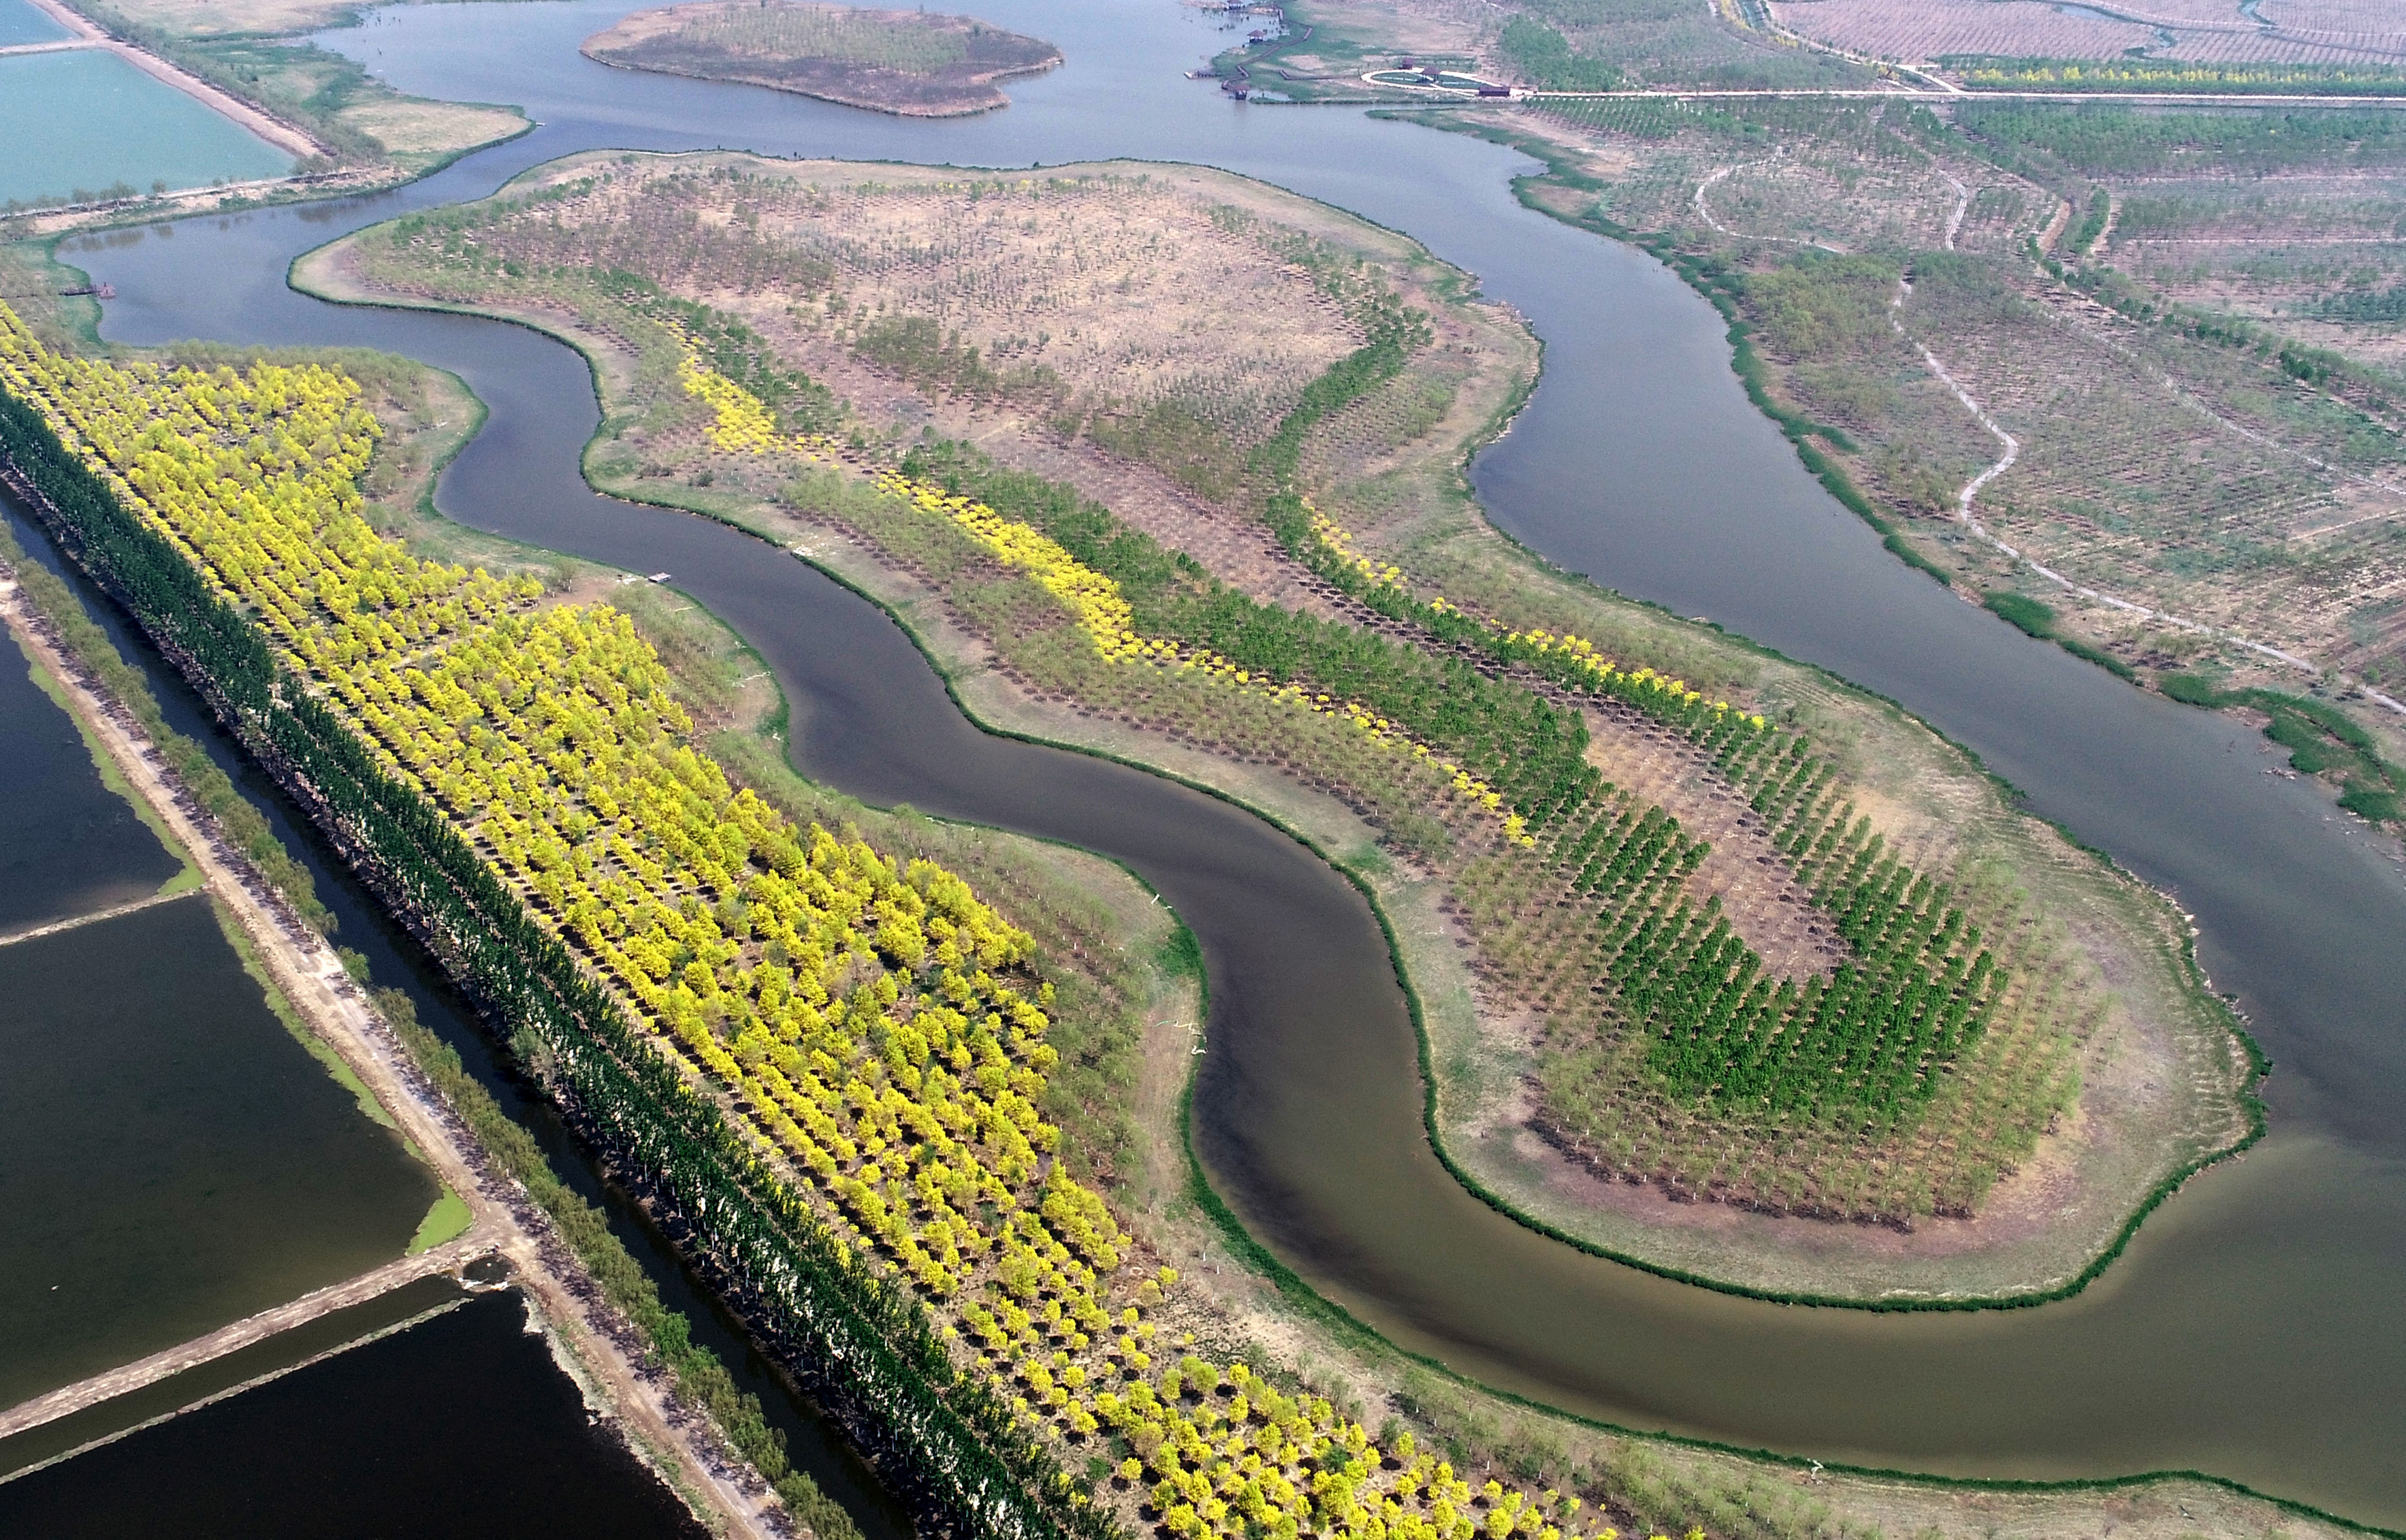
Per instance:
(2050,1223)
(1666,1486)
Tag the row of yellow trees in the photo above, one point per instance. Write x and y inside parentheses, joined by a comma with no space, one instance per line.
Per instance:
(881,1026)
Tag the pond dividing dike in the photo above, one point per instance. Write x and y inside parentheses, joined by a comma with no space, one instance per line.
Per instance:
(2249,1331)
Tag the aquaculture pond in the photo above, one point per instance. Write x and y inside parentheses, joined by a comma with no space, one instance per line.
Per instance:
(21,23)
(69,844)
(171,1159)
(1640,462)
(462,1424)
(82,121)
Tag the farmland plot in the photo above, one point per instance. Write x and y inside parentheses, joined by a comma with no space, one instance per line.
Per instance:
(1921,31)
(2228,500)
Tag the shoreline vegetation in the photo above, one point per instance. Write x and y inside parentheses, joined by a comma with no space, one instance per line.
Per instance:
(1657,1486)
(910,64)
(2334,728)
(1470,1074)
(1978,319)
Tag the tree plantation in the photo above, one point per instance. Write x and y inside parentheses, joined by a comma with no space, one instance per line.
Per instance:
(829,1065)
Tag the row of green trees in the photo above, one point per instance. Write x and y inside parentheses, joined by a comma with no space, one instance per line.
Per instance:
(1529,749)
(940,1439)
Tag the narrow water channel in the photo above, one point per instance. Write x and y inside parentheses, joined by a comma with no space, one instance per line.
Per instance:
(2251,1330)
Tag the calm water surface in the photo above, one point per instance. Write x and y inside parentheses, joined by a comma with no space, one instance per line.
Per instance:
(170,1158)
(85,119)
(21,23)
(2251,1331)
(459,1426)
(68,844)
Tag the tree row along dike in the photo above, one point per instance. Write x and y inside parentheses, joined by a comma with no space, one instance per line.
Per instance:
(561,1246)
(943,1438)
(133,564)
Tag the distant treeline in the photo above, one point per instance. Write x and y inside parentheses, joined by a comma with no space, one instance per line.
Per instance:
(2124,141)
(1995,73)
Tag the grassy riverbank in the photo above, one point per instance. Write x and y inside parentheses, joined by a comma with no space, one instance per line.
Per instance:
(1641,1483)
(1251,1305)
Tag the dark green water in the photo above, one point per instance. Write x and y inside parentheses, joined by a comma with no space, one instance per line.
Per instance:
(171,1159)
(161,1398)
(460,1426)
(68,845)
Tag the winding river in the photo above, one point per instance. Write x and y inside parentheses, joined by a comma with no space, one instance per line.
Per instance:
(2251,1330)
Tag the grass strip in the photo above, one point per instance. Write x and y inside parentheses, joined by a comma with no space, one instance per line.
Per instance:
(2320,738)
(2034,618)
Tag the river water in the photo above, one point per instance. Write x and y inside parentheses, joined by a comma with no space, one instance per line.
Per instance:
(2251,1331)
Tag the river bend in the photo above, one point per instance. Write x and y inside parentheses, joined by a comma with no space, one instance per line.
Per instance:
(2251,1331)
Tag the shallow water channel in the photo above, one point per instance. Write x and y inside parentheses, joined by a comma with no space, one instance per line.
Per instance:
(2251,1330)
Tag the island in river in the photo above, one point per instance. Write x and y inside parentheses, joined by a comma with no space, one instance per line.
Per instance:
(912,63)
(2003,1156)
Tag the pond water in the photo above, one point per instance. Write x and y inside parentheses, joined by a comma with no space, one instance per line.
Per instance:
(81,120)
(68,844)
(171,1159)
(2249,1331)
(219,1376)
(460,1425)
(21,23)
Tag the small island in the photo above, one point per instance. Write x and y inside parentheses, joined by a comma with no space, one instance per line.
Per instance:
(908,63)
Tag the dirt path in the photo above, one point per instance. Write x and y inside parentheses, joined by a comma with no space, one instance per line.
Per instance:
(594,1337)
(70,1399)
(95,917)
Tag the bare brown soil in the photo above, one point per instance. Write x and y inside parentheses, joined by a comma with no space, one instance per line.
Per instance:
(911,64)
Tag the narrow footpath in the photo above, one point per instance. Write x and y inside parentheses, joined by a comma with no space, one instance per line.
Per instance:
(304,965)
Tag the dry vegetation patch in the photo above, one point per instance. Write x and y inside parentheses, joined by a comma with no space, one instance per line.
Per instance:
(911,63)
